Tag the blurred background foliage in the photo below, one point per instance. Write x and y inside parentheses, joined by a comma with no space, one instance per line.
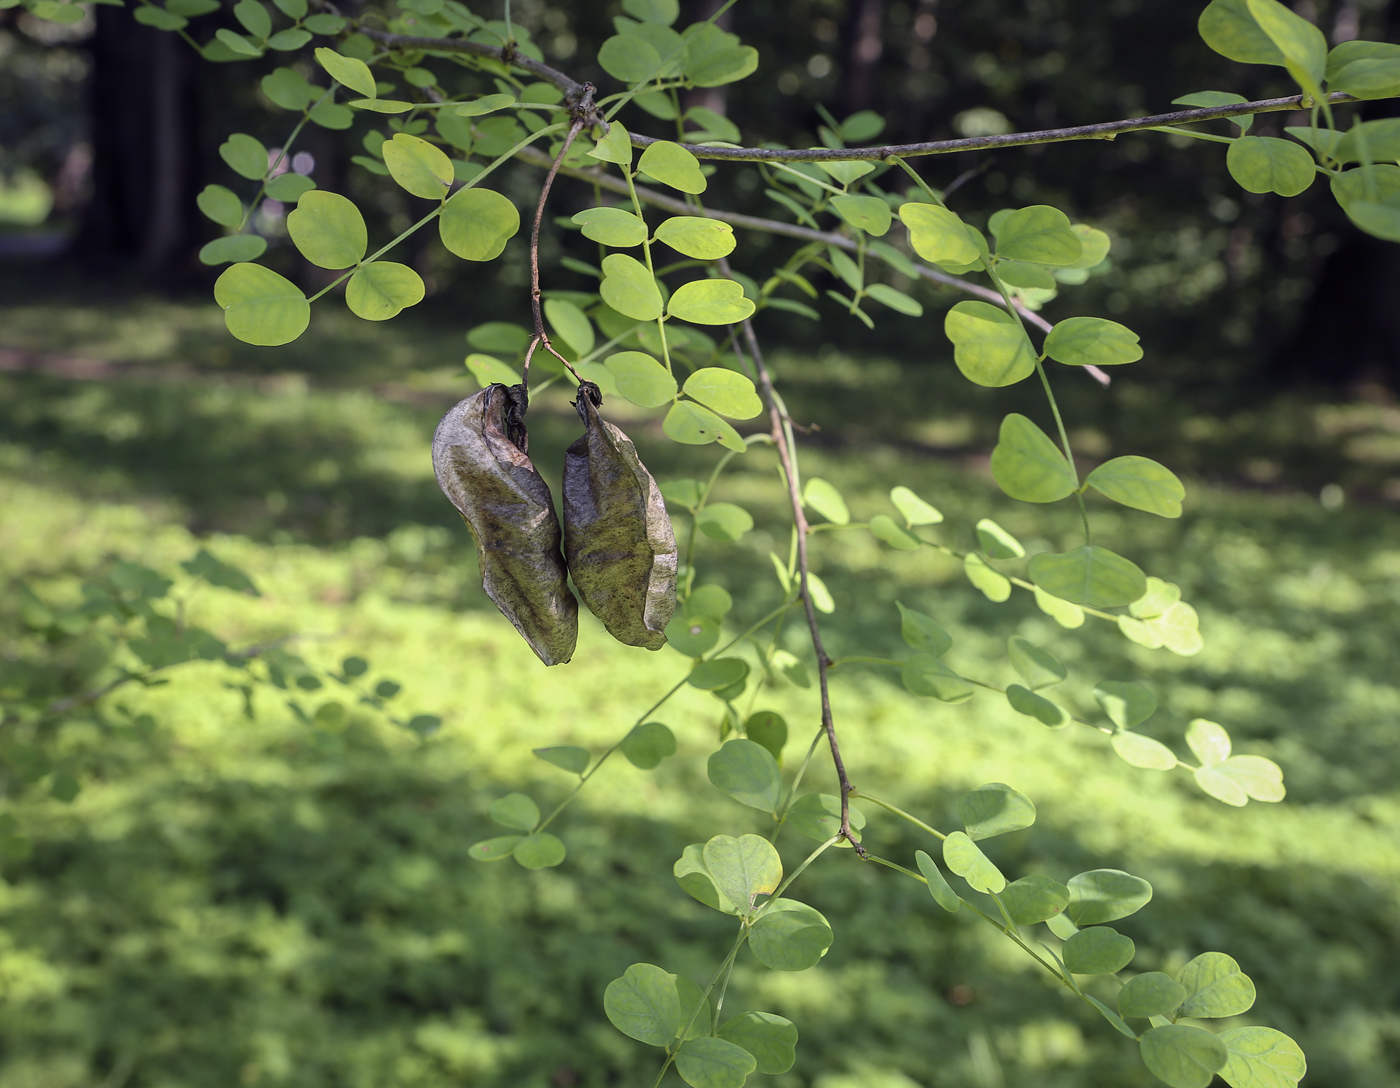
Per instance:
(249,900)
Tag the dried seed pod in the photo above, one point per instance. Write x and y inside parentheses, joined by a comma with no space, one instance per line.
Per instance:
(481,465)
(617,537)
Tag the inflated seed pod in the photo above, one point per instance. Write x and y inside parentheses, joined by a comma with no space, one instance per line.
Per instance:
(481,465)
(617,537)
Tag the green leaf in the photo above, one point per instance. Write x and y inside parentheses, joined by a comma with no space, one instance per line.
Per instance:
(695,236)
(1377,77)
(261,307)
(382,289)
(1098,950)
(965,857)
(1208,741)
(1020,274)
(790,936)
(332,115)
(255,18)
(1373,141)
(1215,987)
(743,868)
(895,300)
(771,1039)
(629,288)
(672,165)
(648,744)
(539,851)
(565,757)
(1039,234)
(1128,704)
(233,247)
(924,674)
(245,156)
(1261,1058)
(476,224)
(1267,164)
(614,146)
(914,510)
(766,727)
(723,390)
(1206,99)
(867,213)
(1096,244)
(996,542)
(989,345)
(938,887)
(1260,778)
(748,773)
(221,205)
(718,673)
(288,88)
(347,71)
(714,57)
(488,370)
(571,323)
(921,633)
(289,187)
(1302,45)
(845,172)
(1028,466)
(883,527)
(938,235)
(236,44)
(643,1004)
(1144,752)
(695,879)
(1025,701)
(1228,27)
(497,849)
(695,1009)
(612,227)
(994,585)
(487,103)
(1151,994)
(1184,1057)
(1038,668)
(1092,341)
(724,521)
(418,166)
(693,425)
(1380,220)
(501,336)
(995,809)
(641,379)
(714,1063)
(1140,483)
(628,58)
(1090,576)
(150,15)
(818,816)
(711,302)
(328,230)
(1065,614)
(661,12)
(1034,899)
(324,24)
(1105,895)
(826,501)
(516,810)
(292,9)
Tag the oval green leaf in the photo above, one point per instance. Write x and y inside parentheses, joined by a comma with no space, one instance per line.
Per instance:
(965,857)
(725,391)
(695,236)
(1266,164)
(1182,1056)
(743,868)
(629,288)
(1025,701)
(938,886)
(1034,899)
(245,156)
(648,744)
(476,224)
(924,674)
(234,247)
(1261,1058)
(261,307)
(914,510)
(996,542)
(747,772)
(1039,234)
(1038,668)
(1028,466)
(709,1062)
(867,213)
(994,585)
(539,851)
(348,71)
(938,235)
(328,230)
(221,205)
(641,379)
(922,632)
(1098,950)
(672,165)
(1141,483)
(1151,994)
(382,289)
(724,521)
(516,810)
(989,345)
(565,757)
(571,323)
(612,227)
(643,1004)
(1105,895)
(1092,341)
(995,809)
(883,527)
(790,936)
(771,1039)
(711,302)
(418,166)
(1090,576)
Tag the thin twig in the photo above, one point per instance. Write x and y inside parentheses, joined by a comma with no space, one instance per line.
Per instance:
(777,416)
(583,113)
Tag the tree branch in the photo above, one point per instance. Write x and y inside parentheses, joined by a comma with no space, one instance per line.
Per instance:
(1105,130)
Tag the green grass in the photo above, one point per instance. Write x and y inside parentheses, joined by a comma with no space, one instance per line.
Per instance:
(234,900)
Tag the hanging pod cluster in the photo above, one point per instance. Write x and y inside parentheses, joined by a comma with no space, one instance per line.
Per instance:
(618,539)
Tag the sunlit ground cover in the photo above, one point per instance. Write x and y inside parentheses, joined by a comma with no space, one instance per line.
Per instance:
(252,900)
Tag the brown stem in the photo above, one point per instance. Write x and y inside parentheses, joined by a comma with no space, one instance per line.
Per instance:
(1105,130)
(779,423)
(583,113)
